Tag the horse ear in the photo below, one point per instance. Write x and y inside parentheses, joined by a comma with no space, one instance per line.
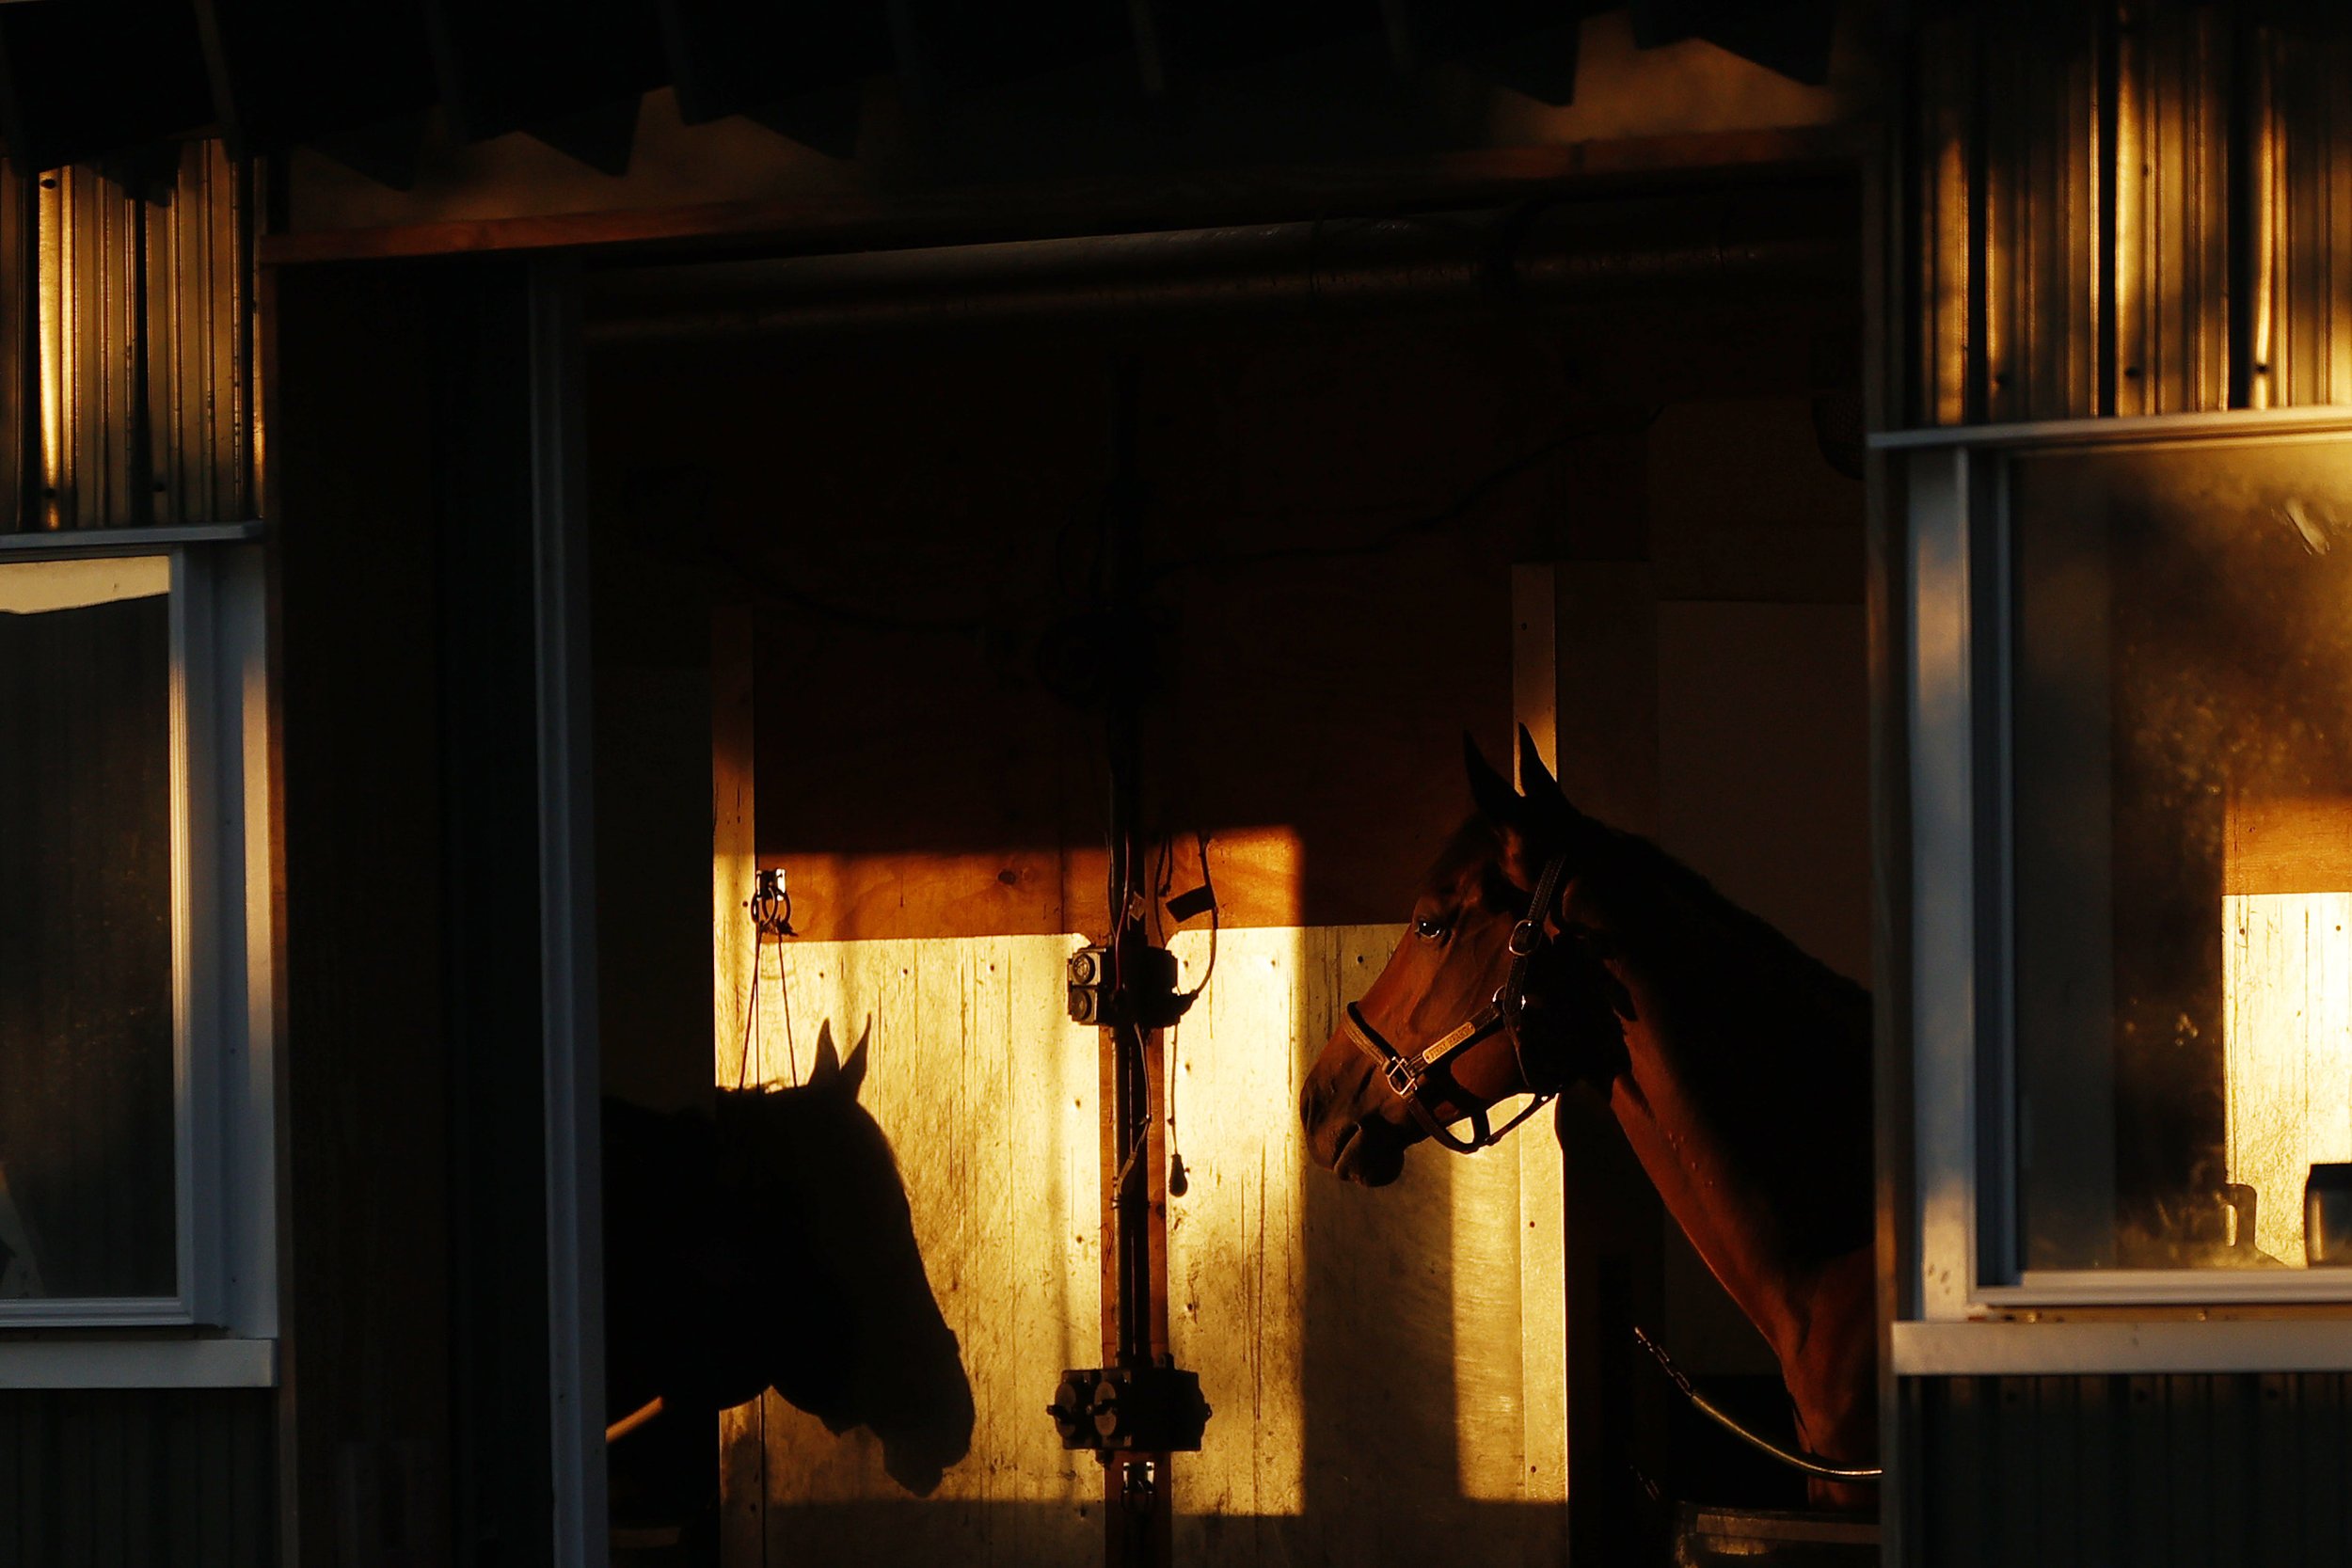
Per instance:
(828,1066)
(854,1069)
(1533,775)
(1497,801)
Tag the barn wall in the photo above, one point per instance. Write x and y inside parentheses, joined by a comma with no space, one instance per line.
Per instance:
(908,520)
(1343,1339)
(414,1360)
(2182,1471)
(137,1478)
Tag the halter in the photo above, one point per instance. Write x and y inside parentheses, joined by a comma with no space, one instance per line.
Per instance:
(1408,1073)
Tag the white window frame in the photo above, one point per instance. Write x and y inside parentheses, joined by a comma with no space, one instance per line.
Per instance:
(1967,1305)
(220,1326)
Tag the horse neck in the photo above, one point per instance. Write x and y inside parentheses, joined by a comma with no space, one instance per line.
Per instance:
(1745,1095)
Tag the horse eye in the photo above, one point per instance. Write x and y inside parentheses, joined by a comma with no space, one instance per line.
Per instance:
(1429,928)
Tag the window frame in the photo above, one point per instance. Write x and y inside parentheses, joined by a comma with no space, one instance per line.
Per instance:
(1950,490)
(220,1326)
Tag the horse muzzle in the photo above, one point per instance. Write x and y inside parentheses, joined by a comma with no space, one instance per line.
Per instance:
(1370,1154)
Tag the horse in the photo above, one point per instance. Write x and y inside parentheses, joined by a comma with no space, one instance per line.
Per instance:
(771,1246)
(1547,951)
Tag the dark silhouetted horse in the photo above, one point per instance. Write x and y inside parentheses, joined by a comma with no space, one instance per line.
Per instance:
(771,1246)
(1737,1066)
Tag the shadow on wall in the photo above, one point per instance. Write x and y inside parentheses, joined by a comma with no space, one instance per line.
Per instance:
(772,1247)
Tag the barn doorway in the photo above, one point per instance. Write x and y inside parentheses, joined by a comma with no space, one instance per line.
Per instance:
(843,541)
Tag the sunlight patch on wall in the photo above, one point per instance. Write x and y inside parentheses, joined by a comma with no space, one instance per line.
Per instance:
(2287,1050)
(988,1096)
(1237,1288)
(1510,1316)
(1032,889)
(989,1099)
(1488,1424)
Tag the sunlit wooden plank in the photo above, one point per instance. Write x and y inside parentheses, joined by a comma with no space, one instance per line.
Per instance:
(1489,1459)
(2287,844)
(1236,1273)
(2287,1029)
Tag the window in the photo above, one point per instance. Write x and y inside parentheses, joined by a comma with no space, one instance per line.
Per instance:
(136,1163)
(2130,726)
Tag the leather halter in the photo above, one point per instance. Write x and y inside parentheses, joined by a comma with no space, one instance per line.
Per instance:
(1408,1073)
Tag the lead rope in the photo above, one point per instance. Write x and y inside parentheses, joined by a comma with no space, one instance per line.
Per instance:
(1812,1465)
(771,910)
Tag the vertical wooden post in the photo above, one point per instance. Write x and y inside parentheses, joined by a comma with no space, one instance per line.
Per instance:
(1134,1284)
(1542,1231)
(1595,623)
(1138,1520)
(734,952)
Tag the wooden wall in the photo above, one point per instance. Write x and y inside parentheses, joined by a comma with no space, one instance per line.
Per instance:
(1345,1339)
(367,1337)
(2182,1471)
(415,1358)
(139,1478)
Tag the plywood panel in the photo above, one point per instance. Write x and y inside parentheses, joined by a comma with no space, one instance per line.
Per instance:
(1236,1275)
(987,1097)
(2287,1050)
(1367,1354)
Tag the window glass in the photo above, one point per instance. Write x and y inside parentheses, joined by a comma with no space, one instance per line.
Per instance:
(88,1127)
(2179,730)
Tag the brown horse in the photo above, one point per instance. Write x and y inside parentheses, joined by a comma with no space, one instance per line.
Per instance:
(1737,1066)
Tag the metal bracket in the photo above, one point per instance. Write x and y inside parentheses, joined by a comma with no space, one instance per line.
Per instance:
(1130,1410)
(772,904)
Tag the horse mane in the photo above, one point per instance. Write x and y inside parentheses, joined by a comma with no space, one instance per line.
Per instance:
(1798,1026)
(1642,858)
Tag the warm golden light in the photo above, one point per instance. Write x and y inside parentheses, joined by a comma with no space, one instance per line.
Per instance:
(989,1099)
(1236,1270)
(1027,890)
(2287,1050)
(55,324)
(988,1096)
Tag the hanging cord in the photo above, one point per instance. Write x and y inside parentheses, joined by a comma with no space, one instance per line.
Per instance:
(771,910)
(1177,1180)
(1812,1465)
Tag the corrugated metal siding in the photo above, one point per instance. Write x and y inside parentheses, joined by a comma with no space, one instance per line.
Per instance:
(137,1479)
(2125,209)
(2180,1471)
(2301,92)
(128,342)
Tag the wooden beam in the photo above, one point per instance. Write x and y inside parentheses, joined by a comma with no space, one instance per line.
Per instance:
(733,847)
(1600,689)
(971,215)
(734,949)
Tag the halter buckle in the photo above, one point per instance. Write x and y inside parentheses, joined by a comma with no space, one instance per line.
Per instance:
(1525,938)
(1403,1076)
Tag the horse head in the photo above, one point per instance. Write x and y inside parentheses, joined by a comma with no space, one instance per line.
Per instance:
(887,1360)
(1547,949)
(772,1246)
(1485,998)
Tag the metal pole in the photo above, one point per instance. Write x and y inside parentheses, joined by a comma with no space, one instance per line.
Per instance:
(1794,236)
(1138,1527)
